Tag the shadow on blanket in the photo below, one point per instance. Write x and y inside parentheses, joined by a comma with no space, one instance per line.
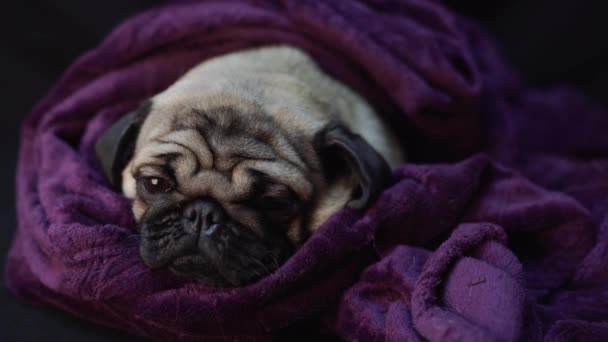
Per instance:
(504,240)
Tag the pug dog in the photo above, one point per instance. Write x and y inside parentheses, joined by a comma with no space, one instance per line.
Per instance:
(238,162)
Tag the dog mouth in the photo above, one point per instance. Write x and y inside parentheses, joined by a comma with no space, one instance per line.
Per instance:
(198,267)
(195,266)
(226,255)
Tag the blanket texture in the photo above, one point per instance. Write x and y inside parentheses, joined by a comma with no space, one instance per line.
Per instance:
(497,229)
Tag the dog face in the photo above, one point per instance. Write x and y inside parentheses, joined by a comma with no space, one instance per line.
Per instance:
(225,195)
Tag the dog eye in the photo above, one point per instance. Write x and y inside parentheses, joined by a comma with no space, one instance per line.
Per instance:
(273,203)
(155,185)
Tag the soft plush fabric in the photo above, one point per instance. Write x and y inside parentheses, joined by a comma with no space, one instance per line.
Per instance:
(495,230)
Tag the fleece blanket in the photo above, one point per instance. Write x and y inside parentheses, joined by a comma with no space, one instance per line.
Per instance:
(496,229)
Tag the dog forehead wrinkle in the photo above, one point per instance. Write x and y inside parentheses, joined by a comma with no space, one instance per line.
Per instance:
(189,163)
(192,140)
(286,151)
(154,168)
(242,146)
(306,153)
(211,183)
(282,172)
(266,129)
(149,154)
(180,163)
(257,137)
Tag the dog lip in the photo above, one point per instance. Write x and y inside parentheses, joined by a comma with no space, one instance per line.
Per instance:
(184,258)
(211,276)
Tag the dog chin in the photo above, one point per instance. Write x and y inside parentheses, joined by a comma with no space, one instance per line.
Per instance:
(196,267)
(227,255)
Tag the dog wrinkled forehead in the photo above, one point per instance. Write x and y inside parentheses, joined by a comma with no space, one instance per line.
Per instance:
(212,151)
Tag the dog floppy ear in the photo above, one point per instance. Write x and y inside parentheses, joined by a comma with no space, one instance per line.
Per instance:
(338,147)
(116,146)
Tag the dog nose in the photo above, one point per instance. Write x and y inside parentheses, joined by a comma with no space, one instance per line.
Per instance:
(205,215)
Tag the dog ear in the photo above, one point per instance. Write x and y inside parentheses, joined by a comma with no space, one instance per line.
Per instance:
(116,146)
(338,147)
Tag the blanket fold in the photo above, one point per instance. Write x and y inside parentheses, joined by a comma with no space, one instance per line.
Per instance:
(495,230)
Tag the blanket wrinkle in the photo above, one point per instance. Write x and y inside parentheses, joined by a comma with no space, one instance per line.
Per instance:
(433,321)
(496,230)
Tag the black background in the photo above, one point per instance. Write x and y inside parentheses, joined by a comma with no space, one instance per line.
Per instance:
(550,41)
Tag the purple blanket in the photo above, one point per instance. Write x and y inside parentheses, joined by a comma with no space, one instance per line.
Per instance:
(496,230)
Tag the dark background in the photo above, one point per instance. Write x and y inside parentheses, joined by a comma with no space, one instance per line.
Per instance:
(550,41)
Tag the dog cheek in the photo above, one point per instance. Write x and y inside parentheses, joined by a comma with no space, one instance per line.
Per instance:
(243,216)
(294,231)
(128,182)
(139,208)
(330,200)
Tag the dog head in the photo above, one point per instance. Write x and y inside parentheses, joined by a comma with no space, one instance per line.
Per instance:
(225,193)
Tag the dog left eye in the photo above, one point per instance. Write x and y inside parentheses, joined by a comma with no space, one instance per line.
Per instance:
(270,203)
(155,185)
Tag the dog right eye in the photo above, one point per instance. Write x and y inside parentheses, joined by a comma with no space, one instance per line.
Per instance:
(156,185)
